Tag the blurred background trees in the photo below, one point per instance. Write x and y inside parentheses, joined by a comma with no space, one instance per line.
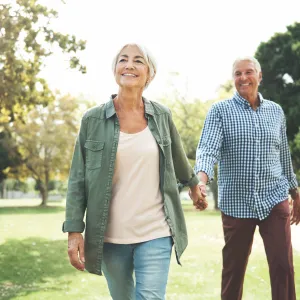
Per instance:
(280,61)
(37,127)
(45,142)
(26,39)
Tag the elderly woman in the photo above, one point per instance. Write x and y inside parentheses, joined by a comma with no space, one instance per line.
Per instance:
(127,160)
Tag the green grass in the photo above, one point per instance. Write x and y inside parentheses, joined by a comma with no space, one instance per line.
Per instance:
(34,262)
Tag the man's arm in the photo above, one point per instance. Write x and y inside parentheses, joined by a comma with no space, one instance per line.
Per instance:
(208,149)
(209,146)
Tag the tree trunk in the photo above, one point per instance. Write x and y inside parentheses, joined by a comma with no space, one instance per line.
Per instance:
(44,187)
(44,194)
(2,185)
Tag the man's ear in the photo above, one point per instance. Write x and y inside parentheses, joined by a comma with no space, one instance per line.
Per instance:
(260,77)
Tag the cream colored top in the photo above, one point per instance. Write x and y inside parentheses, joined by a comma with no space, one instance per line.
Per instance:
(136,211)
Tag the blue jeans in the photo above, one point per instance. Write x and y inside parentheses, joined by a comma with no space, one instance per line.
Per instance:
(150,262)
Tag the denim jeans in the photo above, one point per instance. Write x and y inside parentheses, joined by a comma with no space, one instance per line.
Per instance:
(149,261)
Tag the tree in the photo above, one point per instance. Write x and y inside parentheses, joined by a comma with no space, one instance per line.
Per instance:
(45,141)
(26,39)
(280,61)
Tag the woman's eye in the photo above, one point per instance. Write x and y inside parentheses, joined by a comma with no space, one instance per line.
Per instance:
(122,60)
(138,61)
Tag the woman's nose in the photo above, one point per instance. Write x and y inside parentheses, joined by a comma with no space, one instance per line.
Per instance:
(129,65)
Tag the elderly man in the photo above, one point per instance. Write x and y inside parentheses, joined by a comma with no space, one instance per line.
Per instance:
(246,135)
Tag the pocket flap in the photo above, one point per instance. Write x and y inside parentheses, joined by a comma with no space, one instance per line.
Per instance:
(94,145)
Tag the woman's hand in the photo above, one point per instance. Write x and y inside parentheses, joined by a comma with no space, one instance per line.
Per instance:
(76,250)
(198,194)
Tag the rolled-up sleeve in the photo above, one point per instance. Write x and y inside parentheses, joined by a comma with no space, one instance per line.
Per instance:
(208,150)
(76,200)
(285,157)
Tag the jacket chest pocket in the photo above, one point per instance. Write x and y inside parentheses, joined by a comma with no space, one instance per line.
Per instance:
(94,154)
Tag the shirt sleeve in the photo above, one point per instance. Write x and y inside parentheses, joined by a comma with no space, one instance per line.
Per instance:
(285,157)
(183,170)
(76,200)
(208,150)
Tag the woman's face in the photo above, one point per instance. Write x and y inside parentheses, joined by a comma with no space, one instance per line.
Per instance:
(131,68)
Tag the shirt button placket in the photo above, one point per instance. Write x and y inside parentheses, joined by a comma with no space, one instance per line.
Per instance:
(256,160)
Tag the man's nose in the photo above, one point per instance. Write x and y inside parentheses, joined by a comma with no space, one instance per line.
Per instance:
(243,76)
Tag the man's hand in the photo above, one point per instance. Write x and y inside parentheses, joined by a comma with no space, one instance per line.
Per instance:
(295,203)
(198,194)
(76,250)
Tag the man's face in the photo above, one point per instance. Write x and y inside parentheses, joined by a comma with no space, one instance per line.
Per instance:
(246,79)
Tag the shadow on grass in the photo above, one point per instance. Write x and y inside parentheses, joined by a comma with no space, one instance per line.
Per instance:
(31,210)
(31,265)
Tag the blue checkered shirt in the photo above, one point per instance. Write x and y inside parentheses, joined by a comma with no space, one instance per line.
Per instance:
(251,148)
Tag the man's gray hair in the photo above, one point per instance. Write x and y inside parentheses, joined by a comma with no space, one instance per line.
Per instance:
(149,59)
(247,58)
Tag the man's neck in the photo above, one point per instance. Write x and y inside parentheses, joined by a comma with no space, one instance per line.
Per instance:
(253,100)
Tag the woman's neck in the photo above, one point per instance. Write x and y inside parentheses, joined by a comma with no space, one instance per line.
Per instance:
(128,100)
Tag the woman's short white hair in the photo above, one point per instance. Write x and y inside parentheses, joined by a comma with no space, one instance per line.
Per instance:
(247,58)
(150,61)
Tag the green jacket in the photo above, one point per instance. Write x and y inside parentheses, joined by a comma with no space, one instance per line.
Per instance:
(92,169)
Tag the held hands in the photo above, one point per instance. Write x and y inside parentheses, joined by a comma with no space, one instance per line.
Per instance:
(295,205)
(198,194)
(76,250)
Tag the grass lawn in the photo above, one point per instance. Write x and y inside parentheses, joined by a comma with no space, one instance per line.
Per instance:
(34,262)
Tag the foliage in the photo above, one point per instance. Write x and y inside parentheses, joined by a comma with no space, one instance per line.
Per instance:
(9,155)
(280,61)
(17,185)
(26,39)
(54,186)
(45,141)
